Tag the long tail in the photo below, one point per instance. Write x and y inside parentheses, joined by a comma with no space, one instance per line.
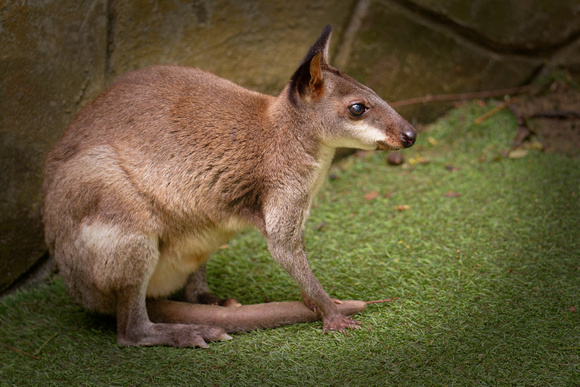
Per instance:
(244,318)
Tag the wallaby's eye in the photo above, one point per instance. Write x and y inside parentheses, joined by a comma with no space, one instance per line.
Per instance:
(357,109)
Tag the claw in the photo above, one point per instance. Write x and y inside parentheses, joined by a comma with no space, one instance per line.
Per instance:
(226,337)
(202,344)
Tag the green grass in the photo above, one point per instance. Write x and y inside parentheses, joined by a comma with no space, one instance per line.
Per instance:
(487,282)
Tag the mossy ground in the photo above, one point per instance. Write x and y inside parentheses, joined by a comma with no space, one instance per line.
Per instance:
(482,250)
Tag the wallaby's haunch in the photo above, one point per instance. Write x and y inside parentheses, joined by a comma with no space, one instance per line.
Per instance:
(170,162)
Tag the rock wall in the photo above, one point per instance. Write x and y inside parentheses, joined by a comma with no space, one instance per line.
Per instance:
(51,63)
(56,56)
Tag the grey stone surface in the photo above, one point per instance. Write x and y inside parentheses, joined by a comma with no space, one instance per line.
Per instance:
(257,44)
(52,61)
(524,26)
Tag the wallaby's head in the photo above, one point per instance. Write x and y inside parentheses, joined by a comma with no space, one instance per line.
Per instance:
(350,114)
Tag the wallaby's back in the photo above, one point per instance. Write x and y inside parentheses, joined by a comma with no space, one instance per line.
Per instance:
(165,151)
(161,119)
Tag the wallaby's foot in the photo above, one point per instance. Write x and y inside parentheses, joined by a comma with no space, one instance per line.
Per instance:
(211,299)
(174,335)
(339,323)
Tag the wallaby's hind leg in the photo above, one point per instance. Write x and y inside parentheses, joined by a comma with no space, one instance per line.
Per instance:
(136,256)
(197,291)
(135,328)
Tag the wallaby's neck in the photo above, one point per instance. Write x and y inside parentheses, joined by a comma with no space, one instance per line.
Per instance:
(297,127)
(299,141)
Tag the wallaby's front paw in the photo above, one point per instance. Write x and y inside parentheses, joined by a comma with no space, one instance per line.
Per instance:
(339,323)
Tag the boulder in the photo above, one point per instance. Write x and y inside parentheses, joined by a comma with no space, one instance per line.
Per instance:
(52,63)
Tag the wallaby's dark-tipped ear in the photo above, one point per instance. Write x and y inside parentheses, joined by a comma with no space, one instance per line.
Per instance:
(320,46)
(308,79)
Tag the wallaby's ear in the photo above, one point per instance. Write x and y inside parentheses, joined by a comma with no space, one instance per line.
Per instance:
(316,84)
(308,79)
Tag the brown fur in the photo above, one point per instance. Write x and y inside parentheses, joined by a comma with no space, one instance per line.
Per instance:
(170,162)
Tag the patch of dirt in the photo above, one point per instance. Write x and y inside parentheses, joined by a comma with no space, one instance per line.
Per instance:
(552,116)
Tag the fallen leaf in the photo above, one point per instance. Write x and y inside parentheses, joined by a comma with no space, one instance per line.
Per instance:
(417,160)
(404,207)
(451,168)
(371,195)
(518,153)
(320,226)
(432,141)
(572,309)
(452,194)
(535,144)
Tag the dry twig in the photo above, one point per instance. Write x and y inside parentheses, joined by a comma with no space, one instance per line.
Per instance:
(493,111)
(19,351)
(462,96)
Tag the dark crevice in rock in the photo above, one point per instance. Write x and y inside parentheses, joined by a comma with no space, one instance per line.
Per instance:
(540,51)
(39,272)
(358,13)
(534,75)
(111,24)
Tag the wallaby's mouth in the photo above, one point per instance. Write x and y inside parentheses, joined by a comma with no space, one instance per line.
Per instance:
(383,145)
(408,138)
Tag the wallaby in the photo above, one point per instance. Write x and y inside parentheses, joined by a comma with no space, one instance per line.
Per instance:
(170,162)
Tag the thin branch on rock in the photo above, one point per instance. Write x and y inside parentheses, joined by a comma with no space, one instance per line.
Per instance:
(557,114)
(462,96)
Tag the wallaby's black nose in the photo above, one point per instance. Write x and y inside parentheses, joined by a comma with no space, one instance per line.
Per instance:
(409,136)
